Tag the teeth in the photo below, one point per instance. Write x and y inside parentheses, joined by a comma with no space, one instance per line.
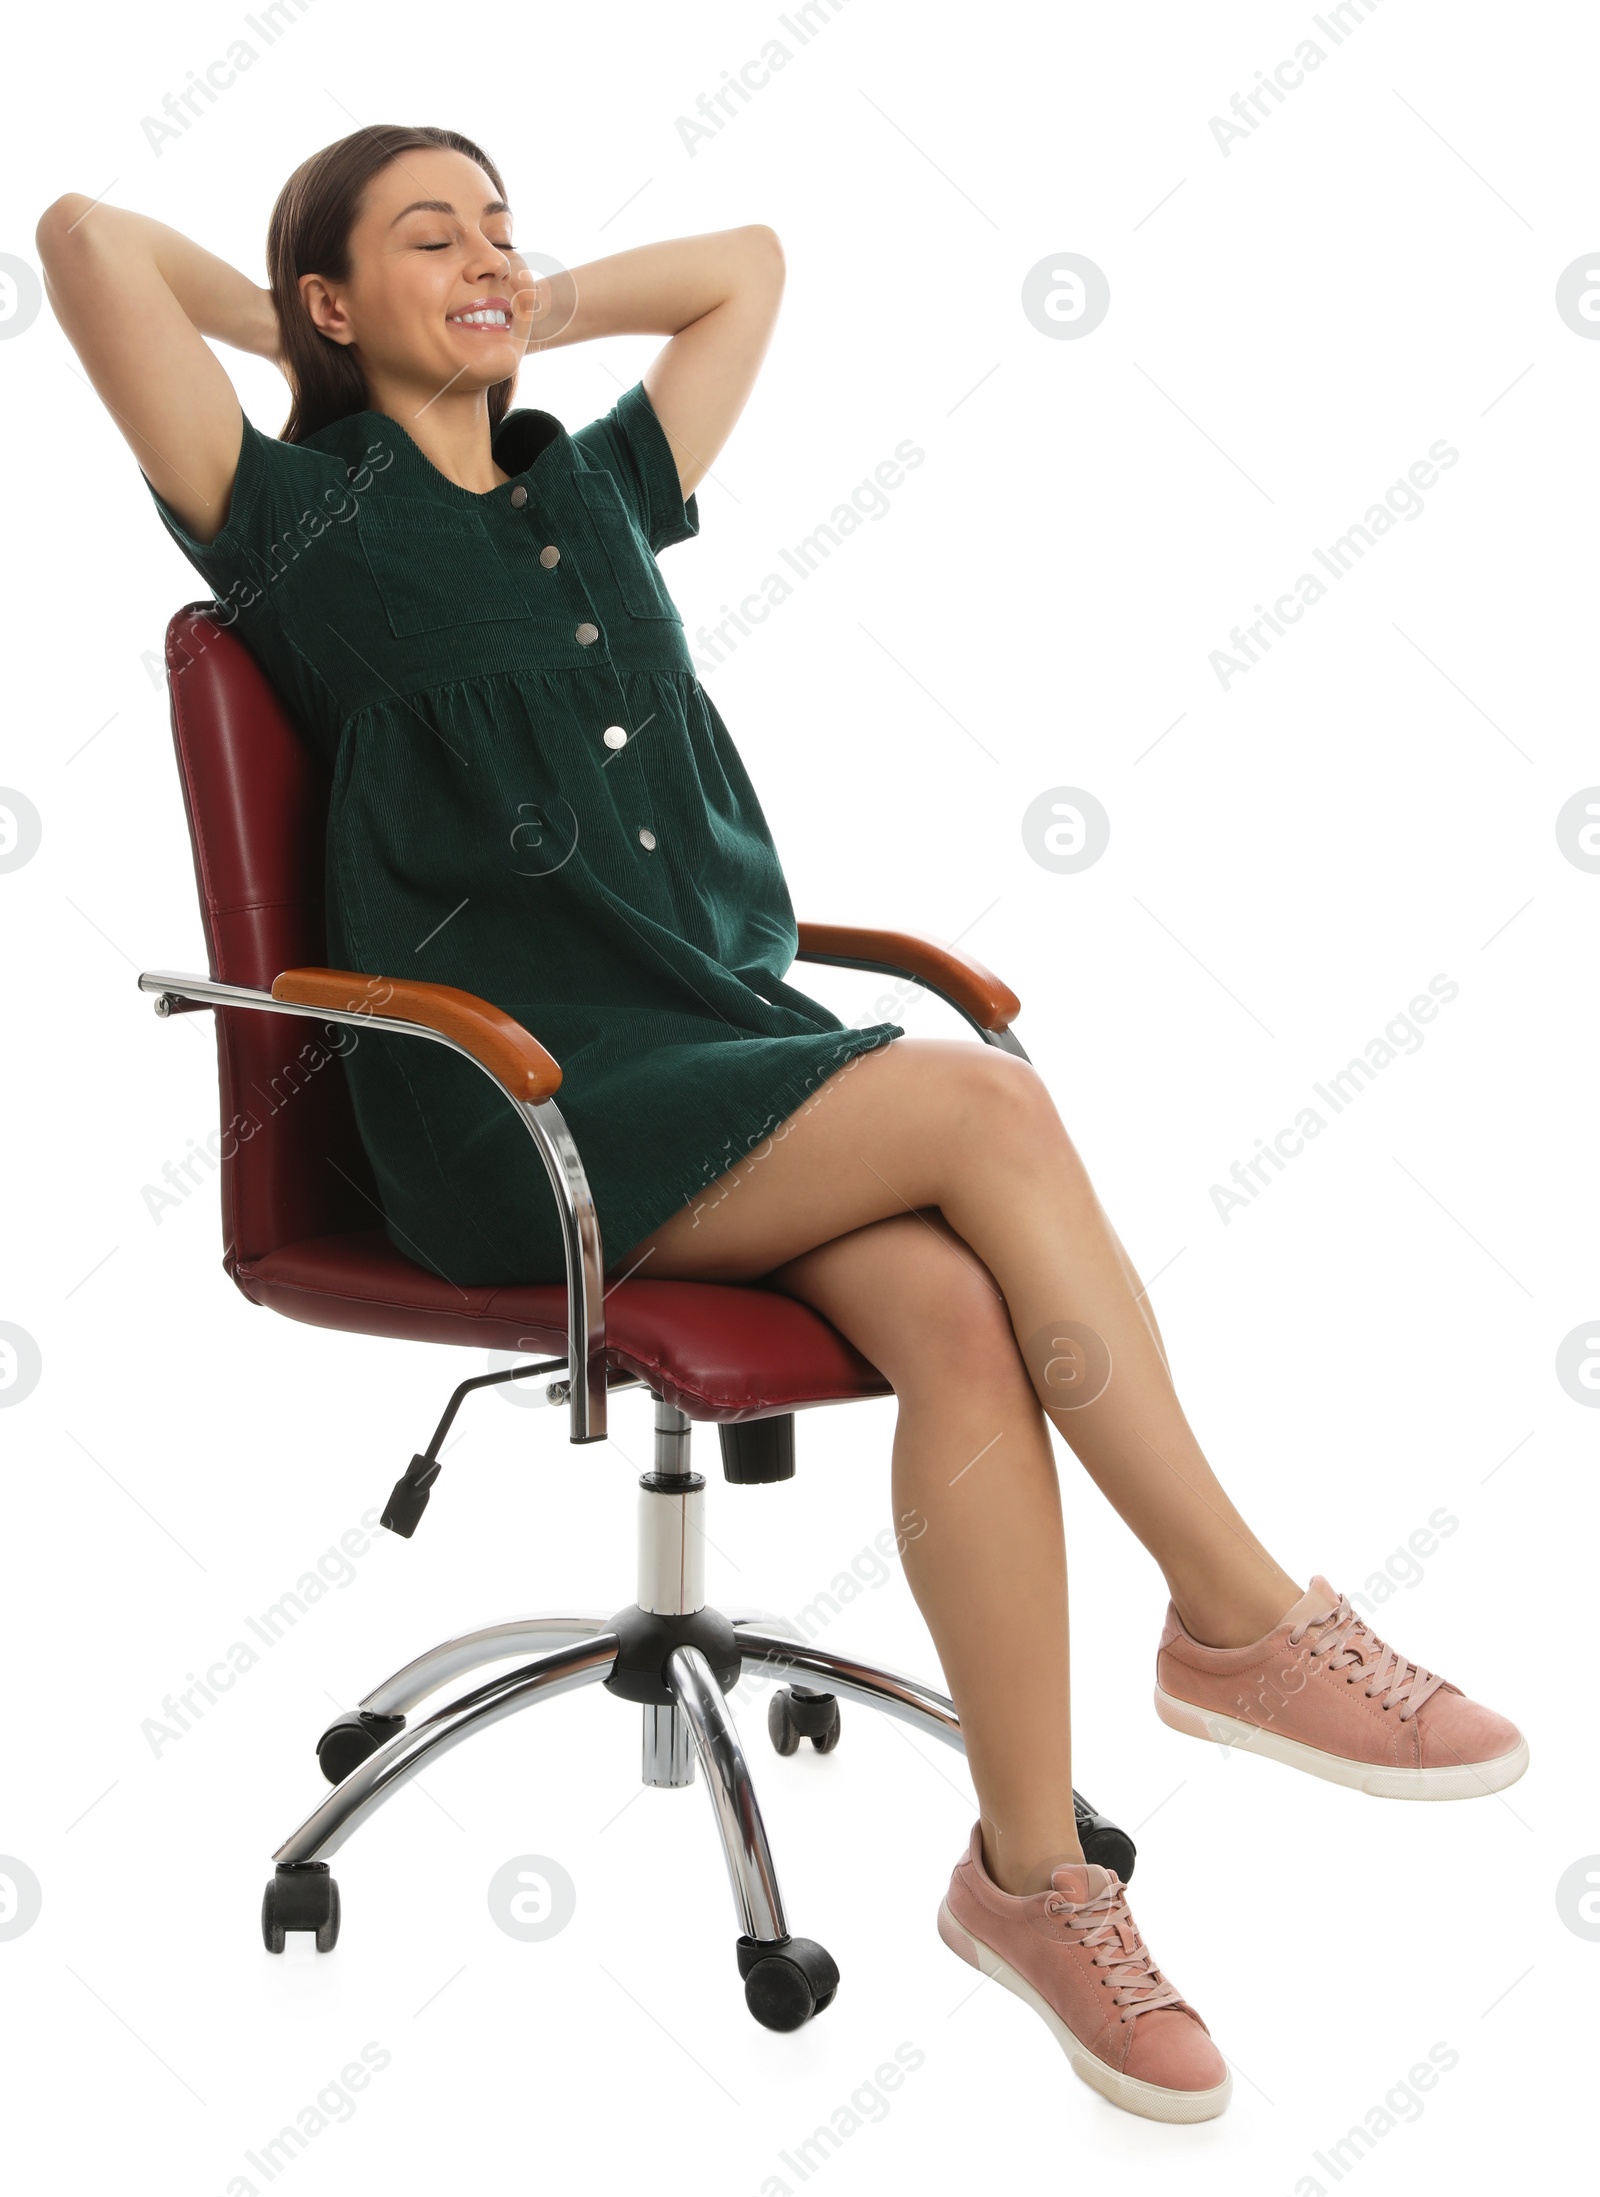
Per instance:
(491,317)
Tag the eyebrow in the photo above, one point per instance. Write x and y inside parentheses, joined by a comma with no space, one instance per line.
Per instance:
(443,206)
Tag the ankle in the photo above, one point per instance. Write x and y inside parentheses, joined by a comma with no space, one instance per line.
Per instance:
(1022,1863)
(1233,1615)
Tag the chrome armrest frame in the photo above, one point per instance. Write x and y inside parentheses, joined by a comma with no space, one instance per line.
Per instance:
(553,1140)
(1006,1040)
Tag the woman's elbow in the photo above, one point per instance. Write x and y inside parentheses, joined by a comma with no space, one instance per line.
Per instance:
(58,221)
(766,249)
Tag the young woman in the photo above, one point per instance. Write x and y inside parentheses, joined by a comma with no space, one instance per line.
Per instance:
(534,799)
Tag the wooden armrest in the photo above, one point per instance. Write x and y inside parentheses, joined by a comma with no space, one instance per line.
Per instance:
(511,1054)
(966,983)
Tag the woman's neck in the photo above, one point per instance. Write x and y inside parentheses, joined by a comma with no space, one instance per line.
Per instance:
(451,429)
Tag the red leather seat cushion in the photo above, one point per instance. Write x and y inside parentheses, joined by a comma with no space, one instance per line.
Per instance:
(718,1350)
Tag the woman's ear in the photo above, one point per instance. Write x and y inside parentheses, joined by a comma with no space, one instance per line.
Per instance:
(328,315)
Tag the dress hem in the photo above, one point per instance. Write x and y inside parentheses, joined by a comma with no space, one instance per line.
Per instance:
(784,1101)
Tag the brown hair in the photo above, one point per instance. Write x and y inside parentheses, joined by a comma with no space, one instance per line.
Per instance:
(309,234)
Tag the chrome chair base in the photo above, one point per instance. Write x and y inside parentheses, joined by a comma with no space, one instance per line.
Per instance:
(371,1753)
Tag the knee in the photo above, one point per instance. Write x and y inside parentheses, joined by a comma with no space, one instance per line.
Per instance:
(953,1328)
(1007,1107)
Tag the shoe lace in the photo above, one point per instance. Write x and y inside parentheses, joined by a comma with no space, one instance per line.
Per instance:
(1104,1924)
(1349,1644)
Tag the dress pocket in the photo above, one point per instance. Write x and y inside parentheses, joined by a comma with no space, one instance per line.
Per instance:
(643,590)
(435,567)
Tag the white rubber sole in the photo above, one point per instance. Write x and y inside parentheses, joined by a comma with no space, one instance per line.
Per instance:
(1456,1781)
(1149,2099)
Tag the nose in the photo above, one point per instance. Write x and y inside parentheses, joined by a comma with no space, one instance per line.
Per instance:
(485,253)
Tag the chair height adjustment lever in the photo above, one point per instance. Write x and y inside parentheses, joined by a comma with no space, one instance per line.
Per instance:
(409,1496)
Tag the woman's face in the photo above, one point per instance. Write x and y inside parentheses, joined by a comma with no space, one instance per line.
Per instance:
(433,244)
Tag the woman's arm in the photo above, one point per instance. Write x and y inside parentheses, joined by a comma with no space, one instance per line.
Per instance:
(137,301)
(716,295)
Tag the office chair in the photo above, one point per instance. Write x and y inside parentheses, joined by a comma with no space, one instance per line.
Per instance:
(302,1236)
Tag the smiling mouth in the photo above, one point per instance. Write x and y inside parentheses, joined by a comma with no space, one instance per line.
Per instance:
(488,316)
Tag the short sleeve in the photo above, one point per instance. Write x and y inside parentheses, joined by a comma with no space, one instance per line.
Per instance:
(630,443)
(284,495)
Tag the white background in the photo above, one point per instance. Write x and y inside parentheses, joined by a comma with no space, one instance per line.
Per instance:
(1373,1339)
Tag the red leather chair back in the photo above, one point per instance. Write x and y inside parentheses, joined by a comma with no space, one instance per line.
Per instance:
(256,796)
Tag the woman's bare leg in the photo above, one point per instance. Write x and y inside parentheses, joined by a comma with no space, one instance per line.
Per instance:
(931,1122)
(977,1510)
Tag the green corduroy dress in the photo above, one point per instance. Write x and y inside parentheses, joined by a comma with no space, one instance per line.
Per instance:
(532,798)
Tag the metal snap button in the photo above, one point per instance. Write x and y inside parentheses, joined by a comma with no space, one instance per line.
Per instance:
(614,737)
(647,837)
(586,633)
(519,496)
(550,556)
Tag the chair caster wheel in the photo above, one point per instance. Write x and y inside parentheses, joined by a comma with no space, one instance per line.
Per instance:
(786,1981)
(780,1724)
(798,1712)
(350,1739)
(1102,1840)
(301,1896)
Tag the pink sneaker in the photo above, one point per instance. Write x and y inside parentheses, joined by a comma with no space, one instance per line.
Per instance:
(1322,1692)
(1074,1954)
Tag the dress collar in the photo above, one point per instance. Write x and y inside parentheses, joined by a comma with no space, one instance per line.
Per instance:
(523,437)
(518,443)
